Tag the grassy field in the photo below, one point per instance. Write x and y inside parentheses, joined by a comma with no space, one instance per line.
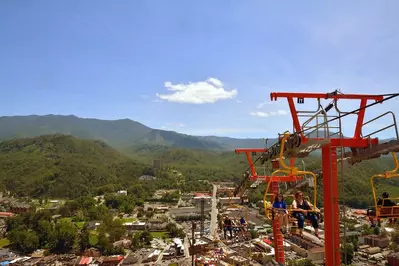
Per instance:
(80,224)
(4,242)
(129,220)
(93,238)
(160,234)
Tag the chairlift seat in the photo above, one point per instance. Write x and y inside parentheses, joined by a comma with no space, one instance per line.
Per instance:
(388,211)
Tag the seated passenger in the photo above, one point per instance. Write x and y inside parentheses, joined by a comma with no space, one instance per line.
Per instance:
(243,223)
(302,209)
(282,213)
(236,227)
(228,226)
(385,202)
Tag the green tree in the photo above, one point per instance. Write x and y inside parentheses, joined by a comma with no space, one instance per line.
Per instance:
(84,242)
(347,253)
(116,230)
(24,240)
(46,233)
(65,235)
(146,237)
(174,231)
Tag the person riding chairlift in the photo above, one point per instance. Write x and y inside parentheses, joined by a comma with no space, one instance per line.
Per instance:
(282,212)
(385,202)
(302,209)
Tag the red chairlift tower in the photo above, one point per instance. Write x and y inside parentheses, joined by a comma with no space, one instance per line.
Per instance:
(277,236)
(329,146)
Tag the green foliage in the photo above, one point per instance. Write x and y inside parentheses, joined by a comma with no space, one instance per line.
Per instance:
(63,166)
(84,240)
(347,253)
(121,202)
(24,240)
(141,239)
(254,233)
(65,235)
(174,231)
(33,230)
(110,231)
(367,230)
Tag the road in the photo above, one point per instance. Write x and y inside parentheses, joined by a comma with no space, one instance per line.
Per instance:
(214,212)
(159,260)
(186,245)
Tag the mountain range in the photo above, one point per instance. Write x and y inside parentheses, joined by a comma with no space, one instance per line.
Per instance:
(41,160)
(120,134)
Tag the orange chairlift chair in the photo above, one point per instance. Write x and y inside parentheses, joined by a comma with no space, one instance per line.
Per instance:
(382,210)
(293,171)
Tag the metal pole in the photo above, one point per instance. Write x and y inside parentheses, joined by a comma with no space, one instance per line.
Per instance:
(192,242)
(202,215)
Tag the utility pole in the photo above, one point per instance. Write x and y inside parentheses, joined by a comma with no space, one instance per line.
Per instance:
(192,242)
(202,216)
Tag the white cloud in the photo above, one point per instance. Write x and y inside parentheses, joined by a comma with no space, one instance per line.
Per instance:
(267,114)
(224,131)
(261,105)
(261,114)
(209,91)
(238,101)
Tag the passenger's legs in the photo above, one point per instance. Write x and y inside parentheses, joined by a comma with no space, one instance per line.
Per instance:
(281,218)
(285,218)
(315,223)
(301,220)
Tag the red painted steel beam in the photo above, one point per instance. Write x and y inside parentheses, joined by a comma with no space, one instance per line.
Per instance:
(352,143)
(276,178)
(277,236)
(360,119)
(249,150)
(307,95)
(331,209)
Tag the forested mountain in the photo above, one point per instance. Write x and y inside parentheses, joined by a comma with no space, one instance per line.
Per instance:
(230,166)
(117,133)
(63,166)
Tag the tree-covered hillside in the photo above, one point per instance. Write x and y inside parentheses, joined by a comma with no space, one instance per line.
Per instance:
(63,166)
(229,166)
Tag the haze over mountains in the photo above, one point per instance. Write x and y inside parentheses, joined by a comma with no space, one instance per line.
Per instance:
(117,133)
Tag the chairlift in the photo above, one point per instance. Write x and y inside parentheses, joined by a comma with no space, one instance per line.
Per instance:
(380,211)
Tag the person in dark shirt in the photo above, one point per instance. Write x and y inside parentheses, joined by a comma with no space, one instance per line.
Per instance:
(303,210)
(243,222)
(228,226)
(385,202)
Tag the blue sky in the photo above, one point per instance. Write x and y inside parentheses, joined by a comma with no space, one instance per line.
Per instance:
(128,59)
